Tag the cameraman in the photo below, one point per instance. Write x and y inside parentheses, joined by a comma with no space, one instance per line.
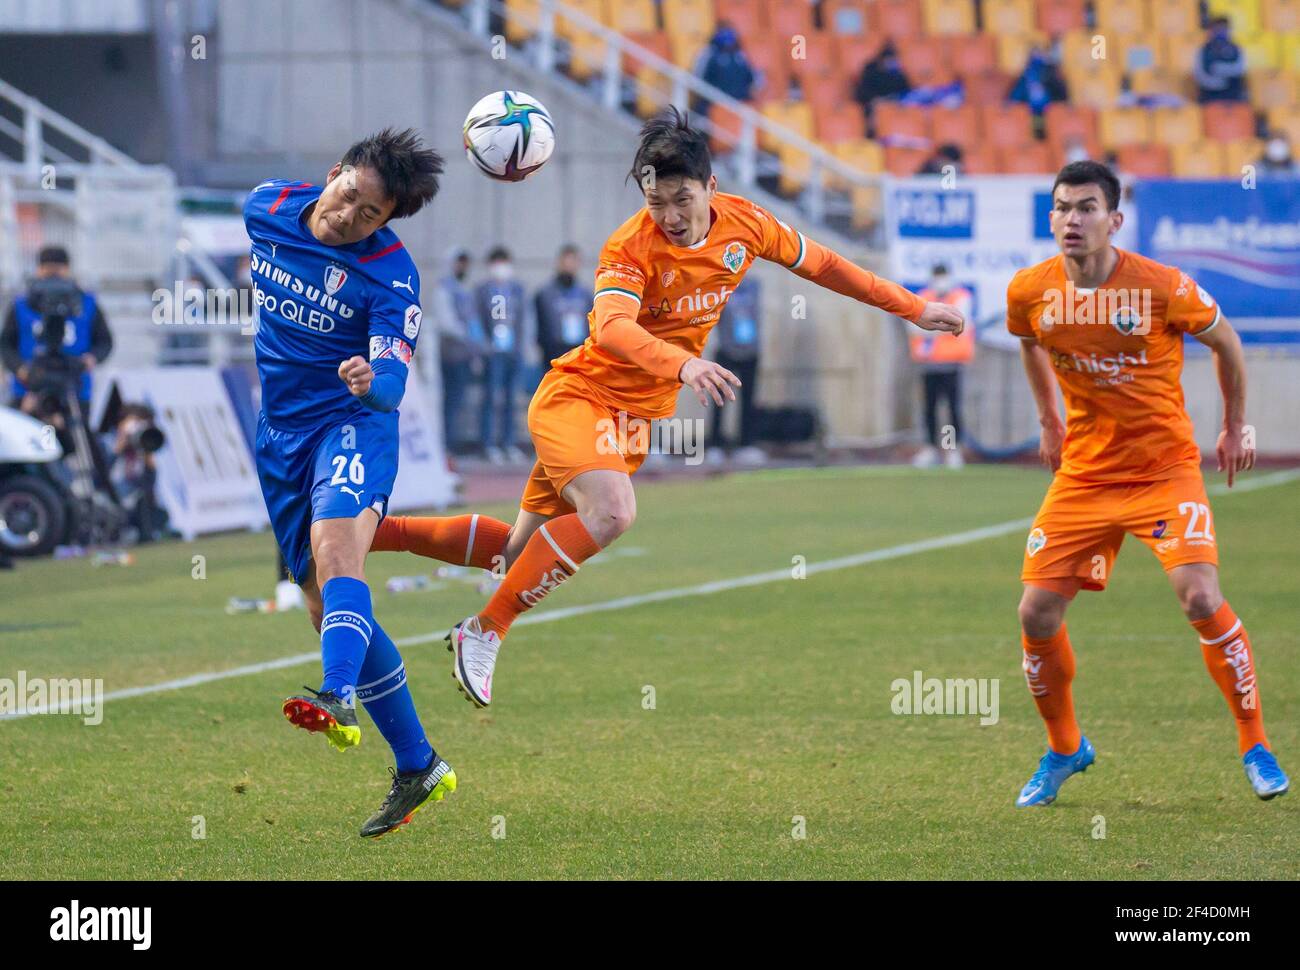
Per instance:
(86,338)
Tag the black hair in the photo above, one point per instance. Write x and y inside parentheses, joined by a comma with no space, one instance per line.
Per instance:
(569,248)
(498,252)
(1088,172)
(671,148)
(408,170)
(53,254)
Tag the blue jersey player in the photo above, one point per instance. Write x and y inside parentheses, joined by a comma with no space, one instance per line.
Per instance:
(338,303)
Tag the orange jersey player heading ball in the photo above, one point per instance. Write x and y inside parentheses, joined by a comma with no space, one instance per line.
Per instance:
(1107,326)
(662,281)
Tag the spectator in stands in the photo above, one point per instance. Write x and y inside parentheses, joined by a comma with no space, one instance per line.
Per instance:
(86,337)
(724,65)
(941,358)
(882,77)
(503,308)
(1040,83)
(462,343)
(561,308)
(738,340)
(1220,67)
(944,156)
(1277,159)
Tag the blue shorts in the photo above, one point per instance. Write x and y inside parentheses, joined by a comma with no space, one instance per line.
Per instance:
(331,472)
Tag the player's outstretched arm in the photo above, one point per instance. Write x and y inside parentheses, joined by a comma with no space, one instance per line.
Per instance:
(1235,449)
(379,387)
(1038,369)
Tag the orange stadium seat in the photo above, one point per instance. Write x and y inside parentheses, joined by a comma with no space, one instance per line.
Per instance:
(1162,81)
(568,29)
(1273,89)
(586,55)
(795,115)
(1291,50)
(1288,120)
(789,17)
(1002,17)
(1244,14)
(1124,126)
(686,49)
(981,160)
(748,17)
(853,52)
(688,16)
(1083,50)
(863,154)
(923,61)
(1096,89)
(905,161)
(771,59)
(850,18)
(900,121)
(1144,161)
(796,167)
(724,133)
(899,18)
(817,50)
(1239,153)
(986,87)
(1281,15)
(1034,158)
(1063,121)
(656,43)
(521,19)
(1058,16)
(1174,17)
(1006,124)
(828,90)
(632,16)
(1177,126)
(1179,51)
(1013,50)
(1121,18)
(959,125)
(971,53)
(949,16)
(653,91)
(1228,120)
(867,206)
(1263,51)
(1199,160)
(840,123)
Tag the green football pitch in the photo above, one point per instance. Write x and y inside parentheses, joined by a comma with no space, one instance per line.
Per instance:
(742,723)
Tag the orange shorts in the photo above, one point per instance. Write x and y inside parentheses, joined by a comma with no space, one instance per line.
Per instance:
(1079,528)
(574,433)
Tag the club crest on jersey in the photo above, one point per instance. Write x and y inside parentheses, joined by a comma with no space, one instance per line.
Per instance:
(335,277)
(1047,321)
(1037,539)
(733,257)
(1126,320)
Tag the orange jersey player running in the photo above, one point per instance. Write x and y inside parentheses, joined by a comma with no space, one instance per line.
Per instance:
(662,281)
(1109,325)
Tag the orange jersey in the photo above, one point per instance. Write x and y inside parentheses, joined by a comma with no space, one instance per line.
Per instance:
(675,295)
(1118,354)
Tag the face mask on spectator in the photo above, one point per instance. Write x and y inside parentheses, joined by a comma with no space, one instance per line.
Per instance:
(940,282)
(501,271)
(564,279)
(1277,151)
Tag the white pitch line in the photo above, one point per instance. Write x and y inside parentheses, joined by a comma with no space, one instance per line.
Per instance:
(659,596)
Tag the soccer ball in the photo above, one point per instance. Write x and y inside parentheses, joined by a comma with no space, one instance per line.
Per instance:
(509,135)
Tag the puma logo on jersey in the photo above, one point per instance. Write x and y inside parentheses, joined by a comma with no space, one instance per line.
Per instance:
(399,285)
(355,495)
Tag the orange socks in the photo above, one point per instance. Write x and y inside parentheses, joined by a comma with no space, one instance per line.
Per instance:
(552,555)
(1049,668)
(1228,657)
(463,540)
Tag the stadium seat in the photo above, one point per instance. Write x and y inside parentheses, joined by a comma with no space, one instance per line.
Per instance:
(829,90)
(958,126)
(1263,51)
(892,120)
(1244,14)
(686,49)
(1124,126)
(587,54)
(847,18)
(568,29)
(1144,161)
(786,18)
(1121,18)
(795,115)
(1281,15)
(1063,121)
(898,18)
(521,19)
(838,124)
(1239,153)
(949,17)
(923,61)
(1198,160)
(632,16)
(747,17)
(1137,51)
(1174,17)
(981,160)
(1013,50)
(656,42)
(770,58)
(688,16)
(1162,81)
(1177,126)
(653,91)
(863,154)
(1181,50)
(1034,158)
(986,87)
(724,131)
(1003,17)
(817,50)
(853,52)
(796,167)
(1288,120)
(971,53)
(1096,89)
(1273,89)
(1291,50)
(1058,16)
(905,161)
(1082,50)
(1228,120)
(1006,125)
(867,206)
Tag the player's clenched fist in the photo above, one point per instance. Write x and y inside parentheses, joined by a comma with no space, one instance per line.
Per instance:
(355,372)
(941,316)
(709,380)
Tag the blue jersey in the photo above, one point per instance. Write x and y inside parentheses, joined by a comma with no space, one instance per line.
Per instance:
(318,305)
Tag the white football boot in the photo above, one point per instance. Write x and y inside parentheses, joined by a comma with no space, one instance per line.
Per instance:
(474,657)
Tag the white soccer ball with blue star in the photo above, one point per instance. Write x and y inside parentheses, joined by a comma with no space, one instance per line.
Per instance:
(509,135)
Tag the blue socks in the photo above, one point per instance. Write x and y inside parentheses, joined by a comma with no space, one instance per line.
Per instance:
(382,689)
(346,627)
